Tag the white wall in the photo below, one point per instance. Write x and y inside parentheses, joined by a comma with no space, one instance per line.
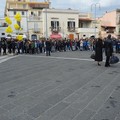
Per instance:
(63,17)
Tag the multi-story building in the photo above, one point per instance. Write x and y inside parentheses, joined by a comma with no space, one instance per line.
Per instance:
(88,27)
(61,21)
(39,20)
(30,11)
(110,23)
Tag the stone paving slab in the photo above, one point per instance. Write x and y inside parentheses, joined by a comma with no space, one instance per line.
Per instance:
(66,86)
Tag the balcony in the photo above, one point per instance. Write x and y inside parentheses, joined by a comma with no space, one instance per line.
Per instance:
(55,29)
(71,29)
(34,18)
(38,5)
(36,30)
(110,31)
(87,30)
(17,1)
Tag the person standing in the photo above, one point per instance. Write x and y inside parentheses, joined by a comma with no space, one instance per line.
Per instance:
(99,51)
(4,46)
(0,47)
(108,50)
(48,47)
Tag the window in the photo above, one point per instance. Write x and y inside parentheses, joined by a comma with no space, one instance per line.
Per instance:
(23,13)
(71,25)
(39,13)
(81,25)
(55,24)
(32,13)
(14,12)
(24,6)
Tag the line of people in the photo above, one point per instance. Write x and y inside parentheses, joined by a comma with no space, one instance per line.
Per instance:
(41,46)
(48,46)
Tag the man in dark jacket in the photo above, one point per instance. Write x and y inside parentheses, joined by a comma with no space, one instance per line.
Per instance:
(0,47)
(108,50)
(48,47)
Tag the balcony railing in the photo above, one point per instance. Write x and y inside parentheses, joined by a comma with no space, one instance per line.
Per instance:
(87,30)
(55,29)
(36,30)
(34,17)
(71,29)
(110,31)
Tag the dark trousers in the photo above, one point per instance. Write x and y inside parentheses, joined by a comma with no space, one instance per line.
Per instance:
(4,51)
(0,50)
(107,63)
(47,52)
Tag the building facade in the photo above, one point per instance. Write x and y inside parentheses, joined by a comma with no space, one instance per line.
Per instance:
(30,11)
(60,21)
(110,23)
(88,27)
(39,20)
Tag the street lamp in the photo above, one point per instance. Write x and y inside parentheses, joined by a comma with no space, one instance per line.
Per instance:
(27,24)
(95,6)
(63,30)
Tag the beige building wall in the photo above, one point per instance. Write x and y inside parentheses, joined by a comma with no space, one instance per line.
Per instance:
(110,23)
(109,19)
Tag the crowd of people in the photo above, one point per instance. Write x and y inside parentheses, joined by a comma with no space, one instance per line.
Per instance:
(8,46)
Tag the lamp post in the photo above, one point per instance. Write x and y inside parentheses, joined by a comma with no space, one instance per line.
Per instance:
(95,6)
(63,30)
(27,24)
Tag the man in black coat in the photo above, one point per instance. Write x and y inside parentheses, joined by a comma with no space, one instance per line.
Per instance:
(108,50)
(0,47)
(48,47)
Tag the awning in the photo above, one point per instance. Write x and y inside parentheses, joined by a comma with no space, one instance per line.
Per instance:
(85,19)
(55,36)
(109,26)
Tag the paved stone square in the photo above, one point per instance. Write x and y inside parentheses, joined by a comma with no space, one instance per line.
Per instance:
(65,86)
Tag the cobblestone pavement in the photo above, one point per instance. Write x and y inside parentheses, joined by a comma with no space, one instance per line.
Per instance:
(65,86)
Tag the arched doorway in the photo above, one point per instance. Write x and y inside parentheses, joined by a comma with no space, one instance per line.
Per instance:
(34,37)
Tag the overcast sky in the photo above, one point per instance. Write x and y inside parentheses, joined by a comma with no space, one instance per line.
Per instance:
(81,5)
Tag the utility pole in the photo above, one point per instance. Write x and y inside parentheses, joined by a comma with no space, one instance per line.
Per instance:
(46,25)
(95,7)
